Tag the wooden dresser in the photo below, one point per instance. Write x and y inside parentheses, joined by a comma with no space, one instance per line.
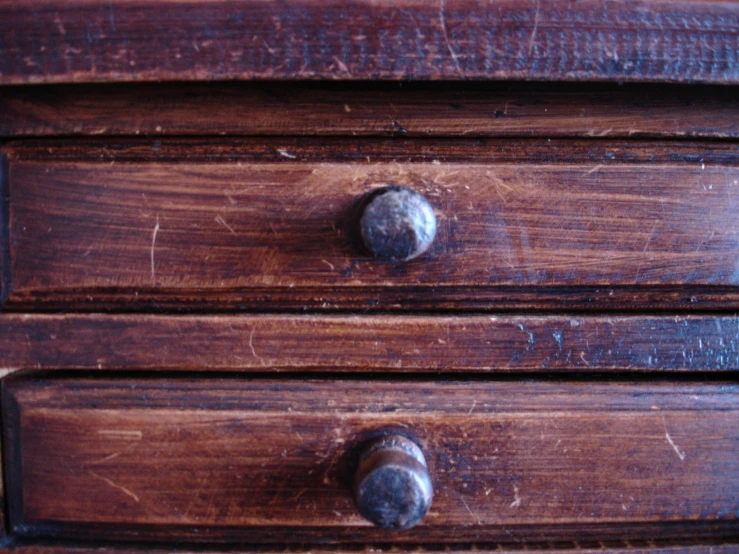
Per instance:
(381,275)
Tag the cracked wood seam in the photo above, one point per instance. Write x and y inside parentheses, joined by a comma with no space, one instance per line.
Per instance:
(377,343)
(224,460)
(52,41)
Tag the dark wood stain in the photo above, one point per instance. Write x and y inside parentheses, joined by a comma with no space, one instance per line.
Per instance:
(52,41)
(386,343)
(424,109)
(246,460)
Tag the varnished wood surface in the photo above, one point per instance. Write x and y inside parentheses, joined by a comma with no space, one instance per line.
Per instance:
(502,343)
(527,214)
(410,109)
(489,344)
(44,41)
(243,460)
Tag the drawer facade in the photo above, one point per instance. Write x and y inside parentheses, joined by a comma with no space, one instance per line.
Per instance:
(254,460)
(243,224)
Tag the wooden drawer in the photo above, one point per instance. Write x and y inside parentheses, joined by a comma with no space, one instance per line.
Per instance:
(253,223)
(253,460)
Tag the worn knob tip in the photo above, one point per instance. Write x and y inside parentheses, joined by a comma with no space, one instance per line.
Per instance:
(397,224)
(392,488)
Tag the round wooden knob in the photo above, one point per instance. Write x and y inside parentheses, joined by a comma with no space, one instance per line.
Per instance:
(392,487)
(397,224)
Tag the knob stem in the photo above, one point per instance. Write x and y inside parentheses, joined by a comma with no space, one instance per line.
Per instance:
(392,487)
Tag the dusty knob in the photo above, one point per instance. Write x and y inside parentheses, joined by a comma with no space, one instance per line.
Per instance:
(397,223)
(392,487)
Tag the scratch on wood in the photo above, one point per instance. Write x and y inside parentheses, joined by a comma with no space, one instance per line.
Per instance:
(536,27)
(59,24)
(644,251)
(516,498)
(326,480)
(341,65)
(475,516)
(442,22)
(680,454)
(121,433)
(253,350)
(116,486)
(596,168)
(272,51)
(115,455)
(230,198)
(153,244)
(222,221)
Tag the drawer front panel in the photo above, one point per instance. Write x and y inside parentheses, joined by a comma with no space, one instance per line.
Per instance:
(247,460)
(177,230)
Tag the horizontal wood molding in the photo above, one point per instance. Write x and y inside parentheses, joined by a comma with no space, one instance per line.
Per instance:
(356,150)
(485,344)
(241,460)
(54,41)
(583,547)
(413,109)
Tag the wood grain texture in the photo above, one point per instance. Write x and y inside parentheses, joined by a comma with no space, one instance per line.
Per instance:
(236,460)
(192,220)
(3,503)
(380,343)
(51,41)
(356,150)
(413,109)
(580,547)
(4,230)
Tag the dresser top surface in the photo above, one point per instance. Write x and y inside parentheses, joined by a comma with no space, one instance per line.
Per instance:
(60,41)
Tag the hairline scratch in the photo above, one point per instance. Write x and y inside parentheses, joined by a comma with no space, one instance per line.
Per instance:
(516,498)
(536,26)
(253,350)
(442,22)
(116,486)
(474,515)
(153,244)
(221,221)
(680,454)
